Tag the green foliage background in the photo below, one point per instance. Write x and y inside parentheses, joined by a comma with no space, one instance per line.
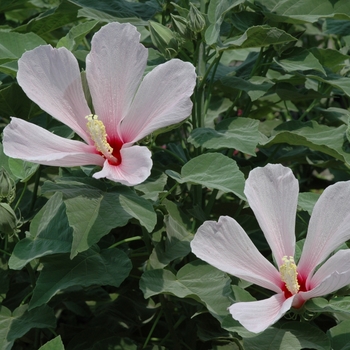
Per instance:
(88,264)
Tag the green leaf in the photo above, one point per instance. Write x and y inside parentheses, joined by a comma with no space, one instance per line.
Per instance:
(176,244)
(307,201)
(332,59)
(108,267)
(339,336)
(305,11)
(13,45)
(76,35)
(241,134)
(258,36)
(322,138)
(13,101)
(50,233)
(196,280)
(300,60)
(15,325)
(291,336)
(335,305)
(216,12)
(51,20)
(54,344)
(22,169)
(212,170)
(93,213)
(121,8)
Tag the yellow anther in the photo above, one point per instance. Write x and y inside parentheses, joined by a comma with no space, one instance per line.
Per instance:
(99,136)
(289,274)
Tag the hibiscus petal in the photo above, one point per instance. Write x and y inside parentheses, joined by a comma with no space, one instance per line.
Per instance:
(135,166)
(51,78)
(32,143)
(272,193)
(256,316)
(331,276)
(329,227)
(226,246)
(114,69)
(162,99)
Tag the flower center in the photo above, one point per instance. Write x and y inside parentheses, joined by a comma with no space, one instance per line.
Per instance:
(289,274)
(99,136)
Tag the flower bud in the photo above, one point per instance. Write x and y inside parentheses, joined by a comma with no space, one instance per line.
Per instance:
(180,25)
(8,220)
(7,187)
(163,39)
(196,20)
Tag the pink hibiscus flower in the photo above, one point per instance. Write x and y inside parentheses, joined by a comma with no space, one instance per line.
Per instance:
(272,193)
(127,107)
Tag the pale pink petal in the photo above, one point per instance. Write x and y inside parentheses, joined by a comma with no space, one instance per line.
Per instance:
(226,246)
(32,143)
(114,69)
(256,316)
(331,276)
(135,167)
(329,227)
(51,78)
(272,193)
(162,99)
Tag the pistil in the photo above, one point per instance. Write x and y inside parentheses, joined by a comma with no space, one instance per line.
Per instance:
(99,136)
(289,274)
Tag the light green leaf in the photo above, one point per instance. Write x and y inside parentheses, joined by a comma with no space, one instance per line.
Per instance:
(300,60)
(15,325)
(339,336)
(54,344)
(108,267)
(213,170)
(50,233)
(307,201)
(258,36)
(305,11)
(196,280)
(322,138)
(332,59)
(93,213)
(13,45)
(335,305)
(241,134)
(291,336)
(22,169)
(76,35)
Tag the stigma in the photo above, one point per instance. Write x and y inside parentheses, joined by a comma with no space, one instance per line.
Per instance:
(289,274)
(99,135)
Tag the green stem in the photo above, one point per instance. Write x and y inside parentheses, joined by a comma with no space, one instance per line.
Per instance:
(152,328)
(36,186)
(126,240)
(211,202)
(21,196)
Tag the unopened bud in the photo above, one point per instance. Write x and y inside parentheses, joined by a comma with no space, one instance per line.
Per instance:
(180,25)
(196,20)
(7,187)
(163,39)
(8,220)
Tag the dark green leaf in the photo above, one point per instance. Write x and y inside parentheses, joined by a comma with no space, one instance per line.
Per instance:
(109,267)
(50,233)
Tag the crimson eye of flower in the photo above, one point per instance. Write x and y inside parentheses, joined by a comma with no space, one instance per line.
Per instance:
(129,106)
(272,193)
